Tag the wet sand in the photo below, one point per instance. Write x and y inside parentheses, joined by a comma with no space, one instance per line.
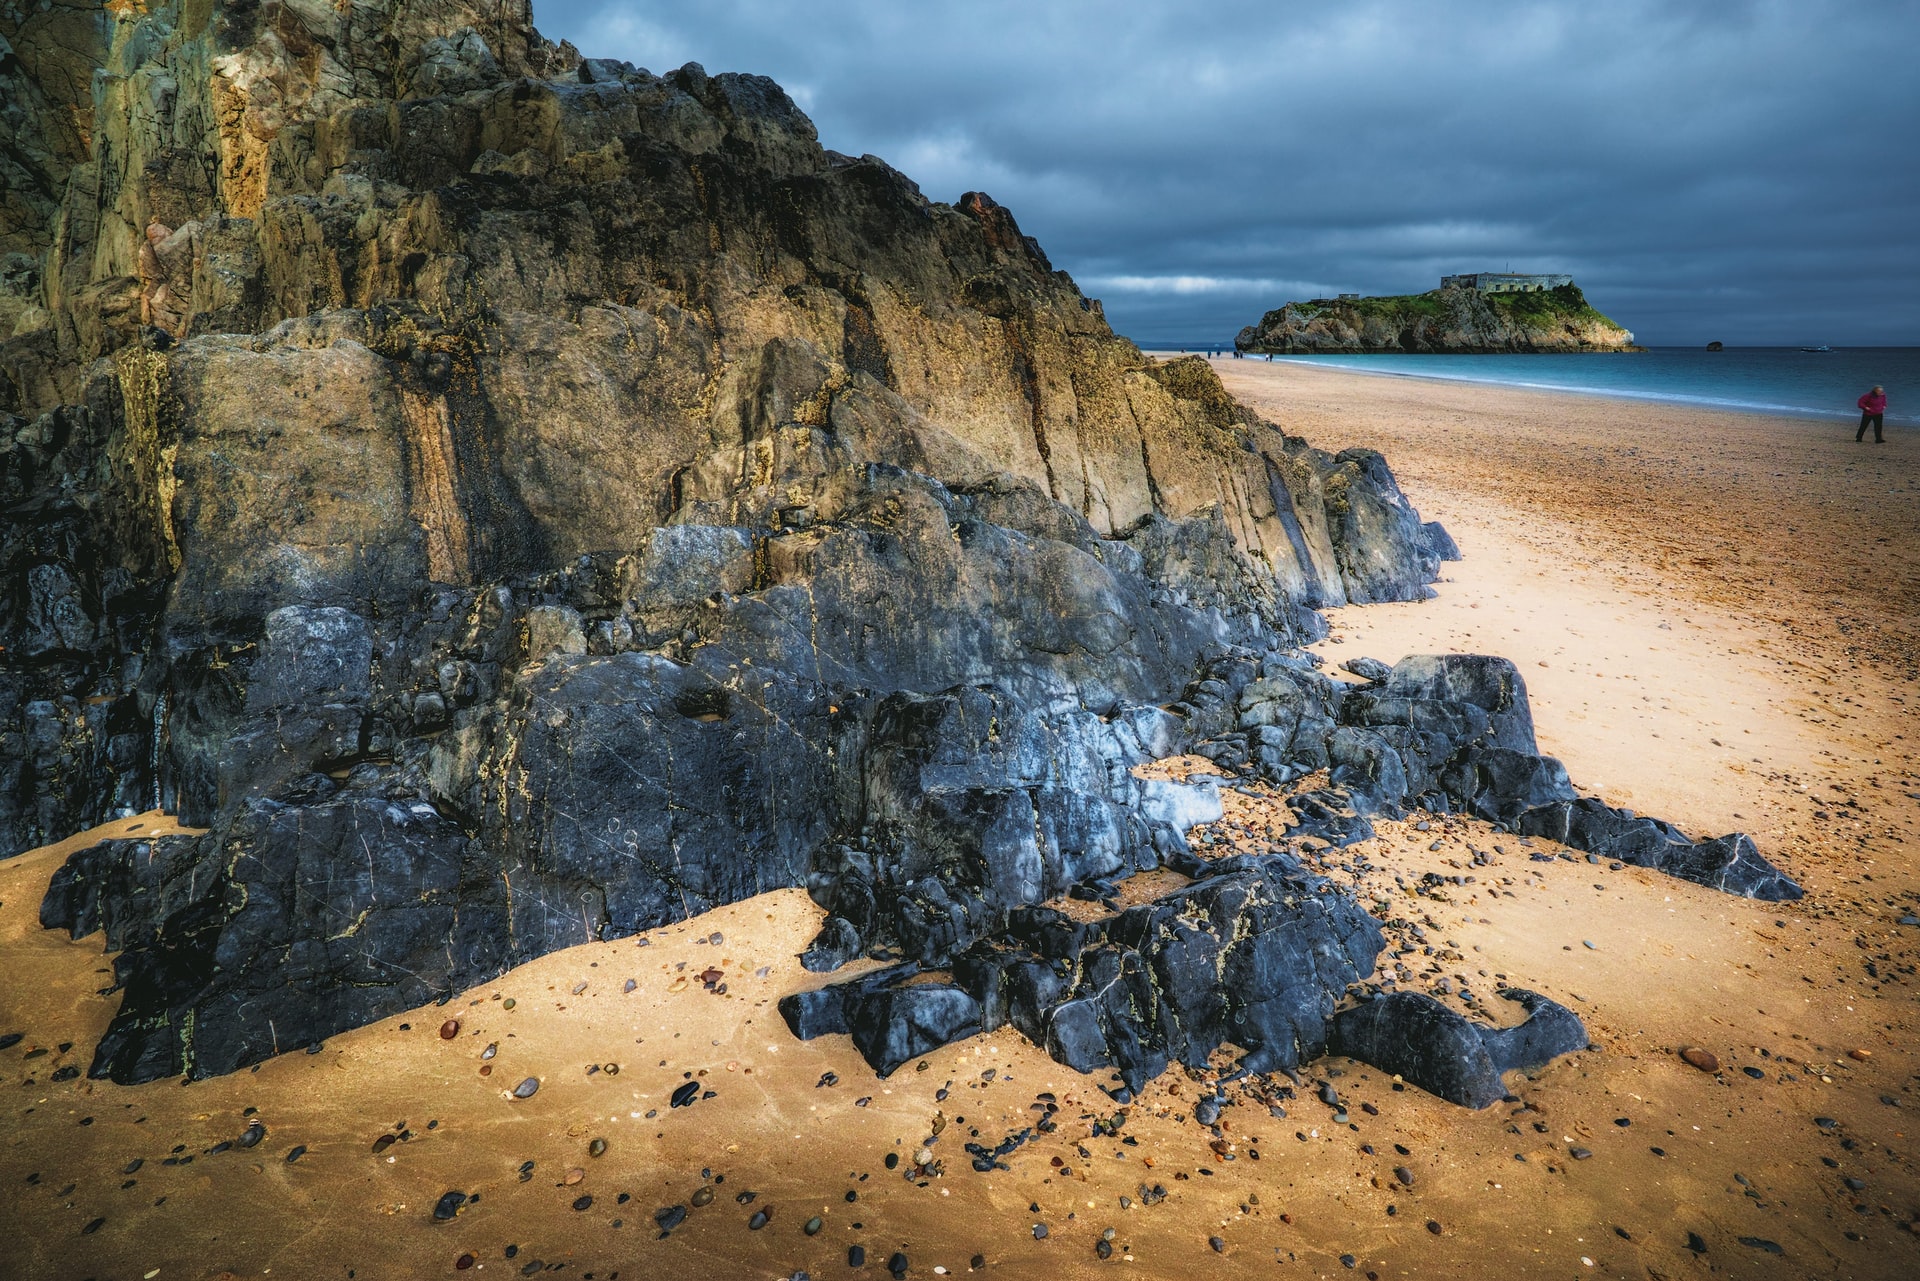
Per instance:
(1714,694)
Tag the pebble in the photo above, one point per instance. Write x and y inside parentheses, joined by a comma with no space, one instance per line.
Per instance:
(1219,1244)
(856,1256)
(1403,1174)
(703,1196)
(759,1220)
(1039,1231)
(448,1206)
(597,1148)
(1347,1260)
(1590,945)
(449,1029)
(685,1095)
(493,1048)
(1705,1060)
(630,985)
(299,1151)
(812,1226)
(1859,1056)
(1433,1226)
(898,1264)
(462,1263)
(572,1177)
(1207,1111)
(1103,1249)
(93,1227)
(527,1088)
(1579,1154)
(583,1203)
(251,1136)
(1761,1243)
(1755,1073)
(670,1218)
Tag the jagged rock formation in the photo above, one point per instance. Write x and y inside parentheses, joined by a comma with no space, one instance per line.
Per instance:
(513,500)
(1451,319)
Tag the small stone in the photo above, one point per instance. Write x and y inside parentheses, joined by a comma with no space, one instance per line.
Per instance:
(583,1203)
(572,1177)
(1761,1243)
(812,1226)
(703,1196)
(493,1048)
(1859,1056)
(448,1206)
(507,1004)
(759,1220)
(669,1218)
(93,1227)
(449,1029)
(527,1088)
(1579,1154)
(898,1264)
(1219,1244)
(597,1148)
(685,1095)
(251,1136)
(856,1256)
(1039,1231)
(1695,1243)
(1403,1174)
(299,1150)
(1103,1249)
(1590,945)
(1347,1261)
(1755,1073)
(462,1263)
(893,1161)
(1705,1060)
(1433,1226)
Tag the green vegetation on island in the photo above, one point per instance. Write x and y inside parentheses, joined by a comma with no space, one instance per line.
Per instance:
(1453,318)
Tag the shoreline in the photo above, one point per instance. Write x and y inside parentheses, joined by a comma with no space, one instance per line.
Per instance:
(1330,361)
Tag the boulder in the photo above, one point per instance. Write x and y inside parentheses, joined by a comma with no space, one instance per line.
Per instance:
(1414,1036)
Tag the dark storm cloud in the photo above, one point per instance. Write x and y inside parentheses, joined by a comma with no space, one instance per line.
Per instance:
(1747,172)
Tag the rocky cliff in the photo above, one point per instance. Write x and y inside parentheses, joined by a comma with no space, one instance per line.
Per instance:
(513,499)
(1441,320)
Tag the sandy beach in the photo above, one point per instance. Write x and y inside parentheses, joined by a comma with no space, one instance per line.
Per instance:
(1718,617)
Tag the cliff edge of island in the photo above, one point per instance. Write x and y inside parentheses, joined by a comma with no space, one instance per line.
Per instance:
(1482,313)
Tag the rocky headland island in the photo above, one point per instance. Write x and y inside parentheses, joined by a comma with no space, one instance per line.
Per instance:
(498,501)
(1479,313)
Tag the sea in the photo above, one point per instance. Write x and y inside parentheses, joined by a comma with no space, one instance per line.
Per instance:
(1771,380)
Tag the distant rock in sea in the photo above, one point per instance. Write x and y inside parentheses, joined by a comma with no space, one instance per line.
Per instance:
(1474,314)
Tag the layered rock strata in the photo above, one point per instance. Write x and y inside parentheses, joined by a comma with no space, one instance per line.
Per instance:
(512,500)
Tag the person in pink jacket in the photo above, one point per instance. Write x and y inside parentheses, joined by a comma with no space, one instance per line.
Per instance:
(1873,409)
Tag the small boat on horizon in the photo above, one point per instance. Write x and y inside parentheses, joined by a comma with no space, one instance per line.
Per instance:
(1821,347)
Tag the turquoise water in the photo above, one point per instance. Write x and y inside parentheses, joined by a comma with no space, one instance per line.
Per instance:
(1775,380)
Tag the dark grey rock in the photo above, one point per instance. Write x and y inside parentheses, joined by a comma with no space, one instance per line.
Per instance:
(1729,863)
(1416,1037)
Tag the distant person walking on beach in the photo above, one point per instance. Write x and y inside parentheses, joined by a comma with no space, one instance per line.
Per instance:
(1873,409)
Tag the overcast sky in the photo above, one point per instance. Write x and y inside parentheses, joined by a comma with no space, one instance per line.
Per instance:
(1742,171)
